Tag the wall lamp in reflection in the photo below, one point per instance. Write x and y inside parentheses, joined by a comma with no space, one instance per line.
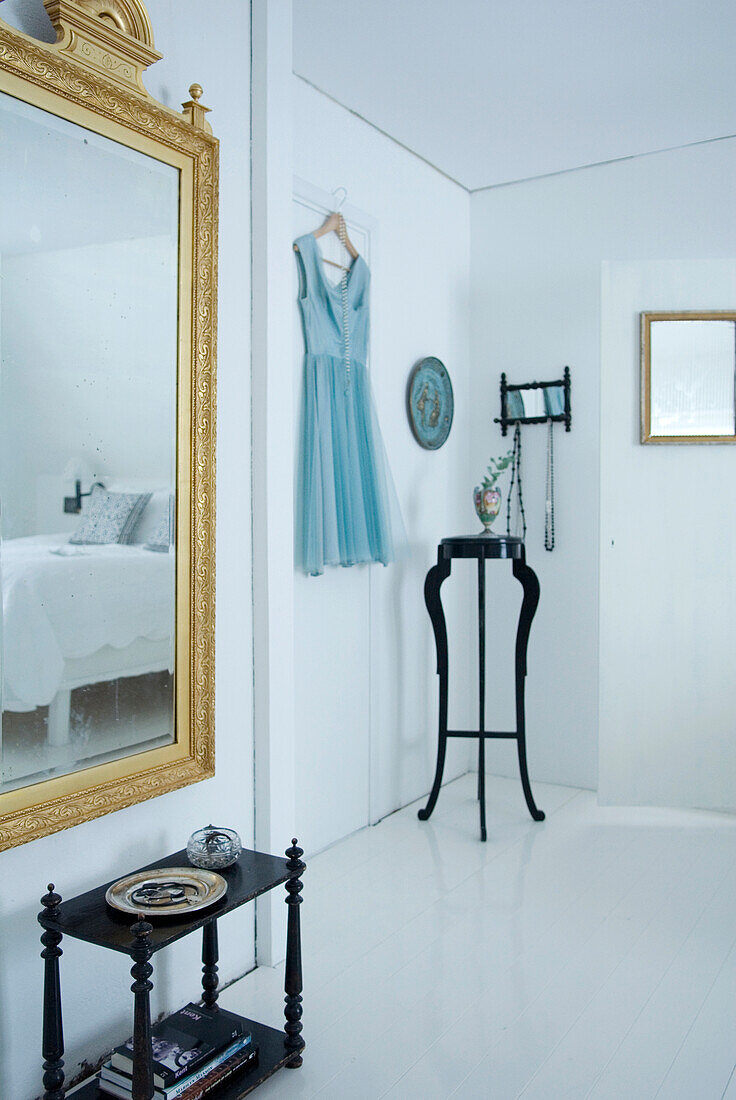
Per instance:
(78,471)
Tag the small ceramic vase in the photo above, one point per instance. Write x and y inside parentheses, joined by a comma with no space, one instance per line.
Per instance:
(487,505)
(213,847)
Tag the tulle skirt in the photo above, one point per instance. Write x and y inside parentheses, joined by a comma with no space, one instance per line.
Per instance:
(348,508)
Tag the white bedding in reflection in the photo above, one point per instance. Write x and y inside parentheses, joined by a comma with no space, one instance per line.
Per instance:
(58,606)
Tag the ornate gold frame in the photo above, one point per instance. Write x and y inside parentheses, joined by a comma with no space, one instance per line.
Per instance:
(645,342)
(93,76)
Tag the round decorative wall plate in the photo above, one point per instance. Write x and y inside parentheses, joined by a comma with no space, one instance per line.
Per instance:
(430,403)
(168,892)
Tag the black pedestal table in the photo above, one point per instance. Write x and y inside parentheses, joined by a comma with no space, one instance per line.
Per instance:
(482,547)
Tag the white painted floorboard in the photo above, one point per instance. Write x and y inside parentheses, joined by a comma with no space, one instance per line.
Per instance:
(590,956)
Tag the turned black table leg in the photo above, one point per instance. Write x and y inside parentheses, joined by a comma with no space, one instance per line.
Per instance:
(436,575)
(293,979)
(482,694)
(210,956)
(528,579)
(53,1032)
(141,971)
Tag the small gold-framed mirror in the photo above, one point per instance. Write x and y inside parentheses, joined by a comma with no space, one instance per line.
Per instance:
(108,267)
(688,377)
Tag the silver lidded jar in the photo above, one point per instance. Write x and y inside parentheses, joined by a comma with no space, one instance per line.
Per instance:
(213,847)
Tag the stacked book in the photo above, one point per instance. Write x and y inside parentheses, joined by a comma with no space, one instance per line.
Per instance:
(194,1051)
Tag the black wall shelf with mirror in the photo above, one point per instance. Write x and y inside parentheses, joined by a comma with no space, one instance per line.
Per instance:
(556,402)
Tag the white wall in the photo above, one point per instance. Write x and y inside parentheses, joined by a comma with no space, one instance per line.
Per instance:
(668,599)
(365,682)
(536,278)
(95,984)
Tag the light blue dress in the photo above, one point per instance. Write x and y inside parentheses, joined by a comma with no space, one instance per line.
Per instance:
(348,507)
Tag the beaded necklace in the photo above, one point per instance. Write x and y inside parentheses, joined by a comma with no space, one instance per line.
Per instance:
(516,480)
(549,503)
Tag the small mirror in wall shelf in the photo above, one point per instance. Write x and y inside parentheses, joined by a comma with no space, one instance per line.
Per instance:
(688,373)
(535,402)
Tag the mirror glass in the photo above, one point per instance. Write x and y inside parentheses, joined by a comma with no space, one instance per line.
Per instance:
(688,376)
(547,400)
(89,259)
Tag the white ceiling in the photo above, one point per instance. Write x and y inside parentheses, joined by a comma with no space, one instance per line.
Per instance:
(491,91)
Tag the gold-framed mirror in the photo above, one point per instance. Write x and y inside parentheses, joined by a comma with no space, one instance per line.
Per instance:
(688,377)
(108,268)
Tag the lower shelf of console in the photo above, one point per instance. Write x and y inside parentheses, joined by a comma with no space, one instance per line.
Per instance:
(272,1056)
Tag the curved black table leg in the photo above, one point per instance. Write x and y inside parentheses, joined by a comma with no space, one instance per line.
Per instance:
(529,582)
(482,694)
(436,575)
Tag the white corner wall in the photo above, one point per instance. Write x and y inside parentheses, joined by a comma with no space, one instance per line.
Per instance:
(96,984)
(368,760)
(668,543)
(536,276)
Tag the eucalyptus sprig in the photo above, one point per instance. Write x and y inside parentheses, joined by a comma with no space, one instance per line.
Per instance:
(496,467)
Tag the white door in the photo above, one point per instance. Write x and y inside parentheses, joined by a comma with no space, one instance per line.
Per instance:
(331,625)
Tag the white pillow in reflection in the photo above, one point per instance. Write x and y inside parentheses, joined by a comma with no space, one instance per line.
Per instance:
(156,512)
(109,517)
(163,538)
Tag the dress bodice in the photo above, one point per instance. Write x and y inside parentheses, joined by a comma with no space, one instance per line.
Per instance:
(322,306)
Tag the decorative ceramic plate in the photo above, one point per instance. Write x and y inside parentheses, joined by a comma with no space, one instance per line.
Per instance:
(168,892)
(430,403)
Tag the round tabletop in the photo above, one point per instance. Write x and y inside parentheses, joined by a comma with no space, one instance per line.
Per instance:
(482,546)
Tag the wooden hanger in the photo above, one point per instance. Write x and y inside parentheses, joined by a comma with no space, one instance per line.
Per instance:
(335,223)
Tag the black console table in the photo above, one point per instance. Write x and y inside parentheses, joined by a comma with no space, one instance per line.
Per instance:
(481,547)
(89,917)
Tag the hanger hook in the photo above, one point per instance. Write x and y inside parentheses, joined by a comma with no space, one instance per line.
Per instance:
(339,202)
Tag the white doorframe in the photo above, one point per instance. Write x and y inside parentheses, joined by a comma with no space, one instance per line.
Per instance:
(272,405)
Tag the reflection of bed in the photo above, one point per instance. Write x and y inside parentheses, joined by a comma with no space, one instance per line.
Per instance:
(80,616)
